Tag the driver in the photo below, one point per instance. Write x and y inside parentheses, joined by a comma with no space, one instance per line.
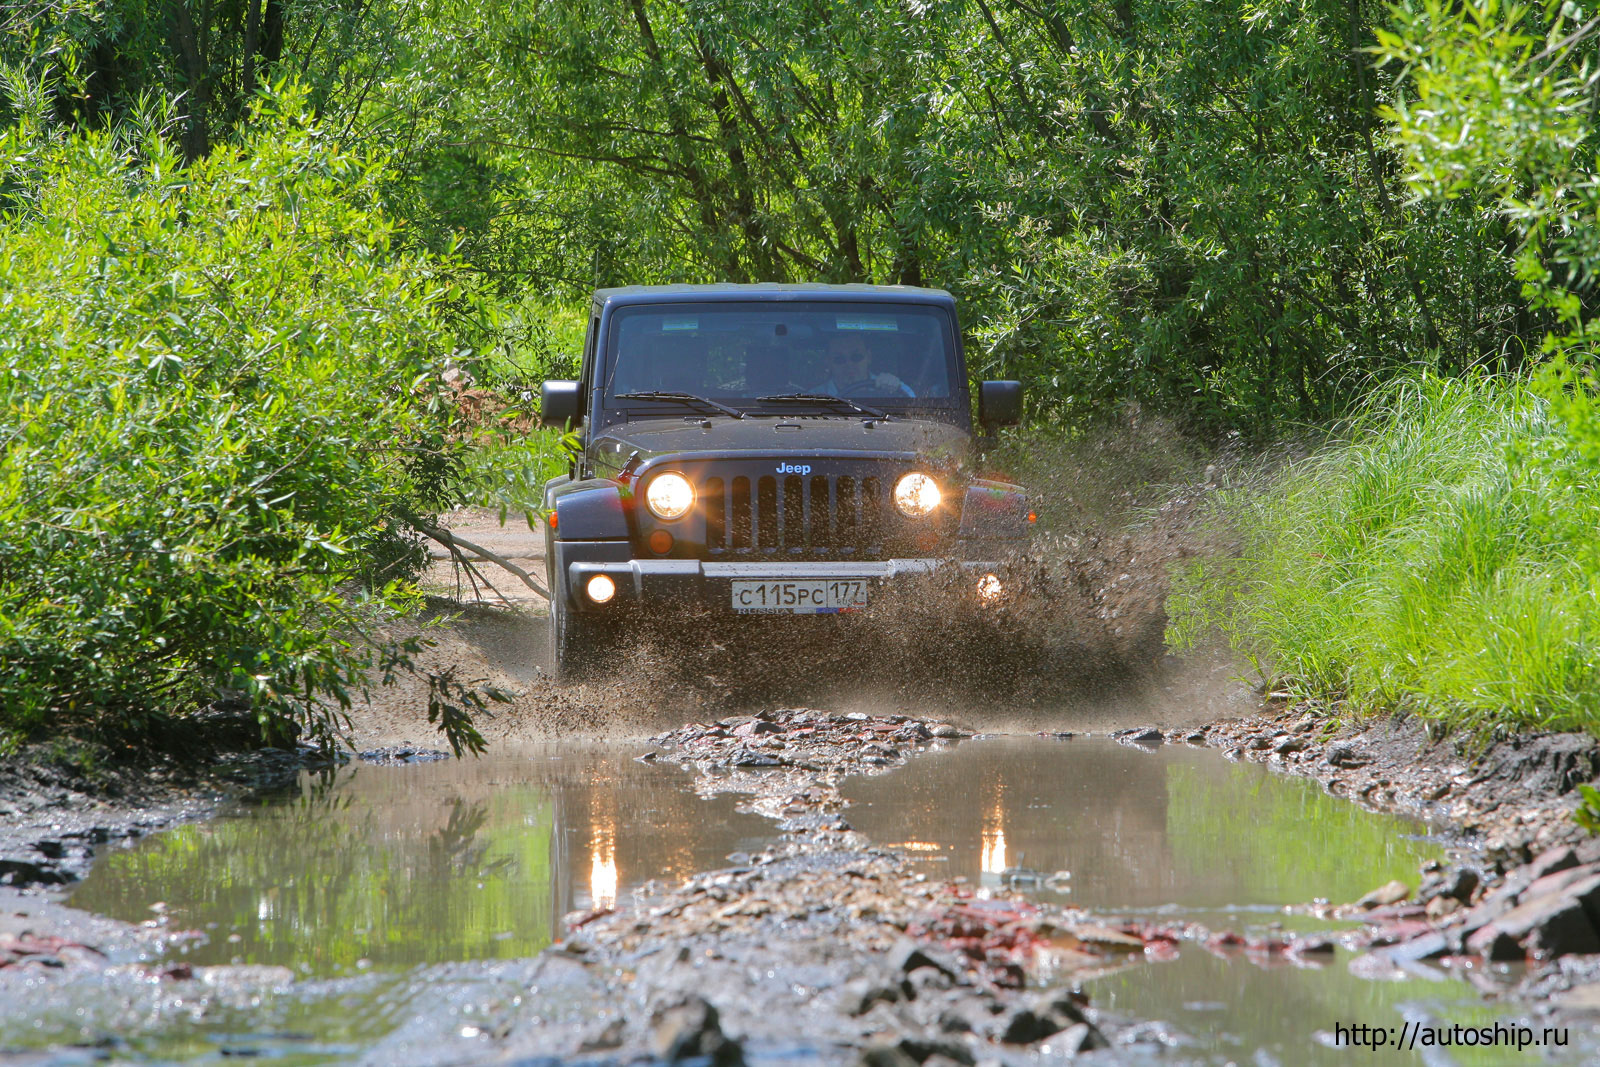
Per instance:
(850,367)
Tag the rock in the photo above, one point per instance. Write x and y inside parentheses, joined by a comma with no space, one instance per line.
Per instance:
(1492,943)
(1458,884)
(953,1022)
(1546,926)
(1141,735)
(923,1049)
(21,873)
(884,1056)
(1079,1037)
(1550,861)
(688,1027)
(1312,946)
(1291,745)
(1430,945)
(862,993)
(602,1038)
(1344,754)
(238,975)
(1025,1026)
(1260,743)
(924,980)
(1557,881)
(1104,937)
(907,956)
(1580,1000)
(1442,906)
(946,731)
(1384,895)
(755,727)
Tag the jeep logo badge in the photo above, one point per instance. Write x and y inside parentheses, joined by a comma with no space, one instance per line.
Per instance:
(794,468)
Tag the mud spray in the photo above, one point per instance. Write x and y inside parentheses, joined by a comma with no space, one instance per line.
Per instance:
(1074,640)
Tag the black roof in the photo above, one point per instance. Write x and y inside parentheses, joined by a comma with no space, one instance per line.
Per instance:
(728,291)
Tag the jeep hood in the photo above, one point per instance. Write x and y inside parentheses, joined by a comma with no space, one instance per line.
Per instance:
(760,436)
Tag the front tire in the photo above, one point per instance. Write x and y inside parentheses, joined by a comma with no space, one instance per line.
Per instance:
(577,643)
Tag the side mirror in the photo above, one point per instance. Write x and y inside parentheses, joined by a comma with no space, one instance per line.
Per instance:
(559,402)
(999,403)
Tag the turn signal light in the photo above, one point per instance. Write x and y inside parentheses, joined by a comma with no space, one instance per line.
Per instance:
(661,542)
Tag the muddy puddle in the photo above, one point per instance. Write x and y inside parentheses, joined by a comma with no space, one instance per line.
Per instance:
(385,867)
(326,922)
(1179,835)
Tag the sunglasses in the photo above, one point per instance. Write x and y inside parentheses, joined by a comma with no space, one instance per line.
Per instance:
(847,357)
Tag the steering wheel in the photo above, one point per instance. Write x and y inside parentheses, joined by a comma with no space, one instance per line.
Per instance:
(869,388)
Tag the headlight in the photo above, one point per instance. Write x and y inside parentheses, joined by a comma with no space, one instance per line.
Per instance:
(916,495)
(669,496)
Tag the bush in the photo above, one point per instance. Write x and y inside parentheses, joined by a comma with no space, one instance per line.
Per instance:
(223,399)
(1442,559)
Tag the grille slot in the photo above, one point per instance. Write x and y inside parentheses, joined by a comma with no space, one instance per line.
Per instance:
(767,515)
(871,511)
(845,511)
(740,506)
(792,526)
(716,513)
(819,512)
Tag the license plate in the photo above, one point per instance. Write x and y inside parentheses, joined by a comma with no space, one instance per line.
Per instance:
(810,596)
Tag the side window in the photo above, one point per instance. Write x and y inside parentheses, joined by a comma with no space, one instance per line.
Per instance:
(587,369)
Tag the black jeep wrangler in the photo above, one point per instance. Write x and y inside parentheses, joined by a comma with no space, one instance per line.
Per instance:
(767,449)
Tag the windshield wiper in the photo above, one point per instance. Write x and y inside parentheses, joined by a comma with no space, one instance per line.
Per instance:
(822,398)
(692,397)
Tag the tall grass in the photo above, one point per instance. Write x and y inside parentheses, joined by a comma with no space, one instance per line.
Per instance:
(1441,558)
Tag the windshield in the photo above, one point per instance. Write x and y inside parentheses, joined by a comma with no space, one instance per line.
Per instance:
(757,356)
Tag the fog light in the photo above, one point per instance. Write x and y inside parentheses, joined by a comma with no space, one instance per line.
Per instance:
(916,495)
(990,589)
(601,589)
(669,496)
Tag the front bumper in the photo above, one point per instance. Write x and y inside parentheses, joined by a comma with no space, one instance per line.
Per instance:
(667,582)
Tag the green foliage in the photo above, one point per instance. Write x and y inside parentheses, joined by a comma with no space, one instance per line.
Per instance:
(1193,204)
(1442,559)
(1587,813)
(1190,205)
(223,399)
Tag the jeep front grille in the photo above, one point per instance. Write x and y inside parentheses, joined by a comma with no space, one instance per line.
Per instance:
(795,513)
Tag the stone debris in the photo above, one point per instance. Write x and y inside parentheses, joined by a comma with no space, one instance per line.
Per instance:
(46,951)
(687,1028)
(1385,895)
(900,967)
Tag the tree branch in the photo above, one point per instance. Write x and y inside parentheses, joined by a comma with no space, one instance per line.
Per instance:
(456,544)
